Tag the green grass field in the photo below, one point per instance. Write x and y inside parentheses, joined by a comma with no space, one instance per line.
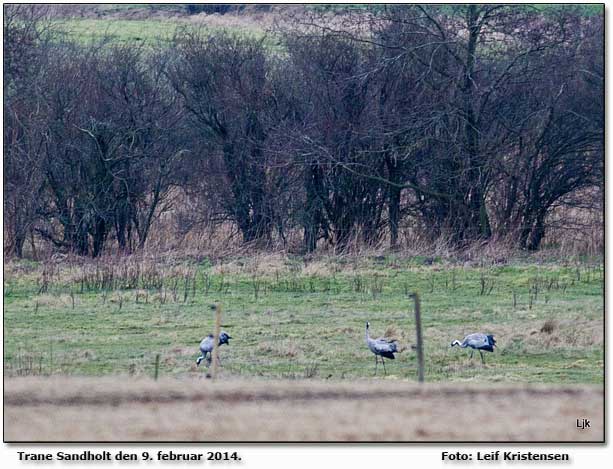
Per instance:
(118,31)
(115,24)
(292,319)
(147,32)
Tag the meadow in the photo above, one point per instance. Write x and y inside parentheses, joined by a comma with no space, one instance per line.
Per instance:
(155,24)
(118,31)
(297,318)
(145,32)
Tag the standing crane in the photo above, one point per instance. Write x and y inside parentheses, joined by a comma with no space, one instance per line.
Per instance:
(206,346)
(381,347)
(479,342)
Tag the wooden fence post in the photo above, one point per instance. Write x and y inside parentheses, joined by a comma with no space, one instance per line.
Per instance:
(420,346)
(215,356)
(157,367)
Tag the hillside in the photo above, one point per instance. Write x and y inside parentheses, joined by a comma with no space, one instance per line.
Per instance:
(148,23)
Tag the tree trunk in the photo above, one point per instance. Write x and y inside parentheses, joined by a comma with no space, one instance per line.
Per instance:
(121,226)
(394,215)
(18,245)
(476,224)
(99,236)
(312,218)
(79,238)
(537,233)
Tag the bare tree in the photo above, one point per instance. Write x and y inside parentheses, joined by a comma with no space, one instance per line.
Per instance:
(227,88)
(110,146)
(26,35)
(461,121)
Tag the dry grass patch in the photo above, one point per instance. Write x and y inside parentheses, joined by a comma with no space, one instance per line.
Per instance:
(259,264)
(112,409)
(52,301)
(552,334)
(564,334)
(320,268)
(285,349)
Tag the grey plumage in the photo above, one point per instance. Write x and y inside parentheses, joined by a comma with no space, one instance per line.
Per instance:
(206,346)
(478,341)
(381,347)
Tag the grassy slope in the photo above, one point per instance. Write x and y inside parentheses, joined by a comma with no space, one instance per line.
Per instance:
(162,28)
(115,23)
(150,32)
(309,321)
(118,31)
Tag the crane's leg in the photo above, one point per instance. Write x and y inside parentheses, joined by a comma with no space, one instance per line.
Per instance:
(482,359)
(384,370)
(376,364)
(471,353)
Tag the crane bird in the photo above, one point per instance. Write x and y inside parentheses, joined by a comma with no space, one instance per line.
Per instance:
(381,347)
(477,341)
(206,346)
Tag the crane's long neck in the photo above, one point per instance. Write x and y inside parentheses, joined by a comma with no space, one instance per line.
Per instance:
(367,336)
(459,344)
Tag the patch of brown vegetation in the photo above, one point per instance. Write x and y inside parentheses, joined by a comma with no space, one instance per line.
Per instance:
(549,326)
(112,409)
(285,348)
(552,334)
